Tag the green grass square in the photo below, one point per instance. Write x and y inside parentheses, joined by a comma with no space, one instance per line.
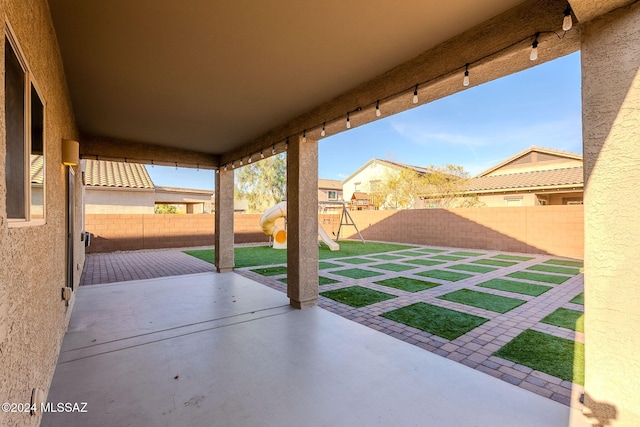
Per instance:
(356,260)
(565,318)
(321,280)
(472,268)
(443,322)
(270,271)
(463,253)
(515,287)
(512,257)
(536,277)
(323,265)
(451,276)
(356,273)
(409,253)
(386,257)
(578,299)
(357,296)
(427,262)
(494,262)
(407,284)
(483,300)
(554,269)
(565,263)
(431,250)
(555,356)
(393,267)
(448,257)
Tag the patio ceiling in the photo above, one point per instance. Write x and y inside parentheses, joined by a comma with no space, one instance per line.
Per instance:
(212,76)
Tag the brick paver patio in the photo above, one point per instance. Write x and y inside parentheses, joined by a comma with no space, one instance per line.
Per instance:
(474,348)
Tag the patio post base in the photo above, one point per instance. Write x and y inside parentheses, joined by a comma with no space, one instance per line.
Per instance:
(303,304)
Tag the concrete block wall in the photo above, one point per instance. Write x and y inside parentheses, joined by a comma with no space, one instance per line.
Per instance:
(557,230)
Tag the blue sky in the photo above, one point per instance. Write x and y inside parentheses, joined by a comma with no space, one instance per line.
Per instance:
(475,128)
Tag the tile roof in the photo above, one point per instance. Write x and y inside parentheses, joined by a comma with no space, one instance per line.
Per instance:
(528,180)
(552,151)
(359,195)
(102,173)
(329,184)
(37,168)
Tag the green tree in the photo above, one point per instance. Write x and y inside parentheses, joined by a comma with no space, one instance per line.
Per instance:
(262,183)
(445,187)
(165,209)
(441,187)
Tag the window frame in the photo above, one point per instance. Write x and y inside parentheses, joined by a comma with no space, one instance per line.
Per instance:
(335,195)
(31,87)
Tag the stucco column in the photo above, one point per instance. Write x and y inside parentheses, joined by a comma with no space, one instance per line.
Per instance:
(610,48)
(302,222)
(224,221)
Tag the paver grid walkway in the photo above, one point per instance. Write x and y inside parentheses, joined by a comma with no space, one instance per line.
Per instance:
(137,265)
(475,348)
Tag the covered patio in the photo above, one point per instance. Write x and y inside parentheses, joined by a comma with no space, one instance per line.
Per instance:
(220,349)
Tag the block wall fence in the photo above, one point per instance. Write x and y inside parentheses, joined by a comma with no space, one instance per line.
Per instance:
(555,230)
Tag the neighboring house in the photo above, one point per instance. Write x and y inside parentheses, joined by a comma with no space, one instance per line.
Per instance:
(329,190)
(187,200)
(370,177)
(127,188)
(117,188)
(535,176)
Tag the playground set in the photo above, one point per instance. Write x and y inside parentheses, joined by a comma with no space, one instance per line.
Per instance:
(278,235)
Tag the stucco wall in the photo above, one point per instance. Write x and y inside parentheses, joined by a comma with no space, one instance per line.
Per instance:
(611,129)
(374,172)
(33,317)
(113,201)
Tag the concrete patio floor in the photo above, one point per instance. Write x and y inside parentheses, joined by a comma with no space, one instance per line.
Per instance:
(220,349)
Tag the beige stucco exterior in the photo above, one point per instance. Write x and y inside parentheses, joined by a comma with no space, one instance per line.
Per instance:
(33,317)
(108,200)
(367,176)
(611,130)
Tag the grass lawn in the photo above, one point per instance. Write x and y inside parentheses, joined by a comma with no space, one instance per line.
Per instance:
(451,276)
(448,257)
(252,256)
(323,265)
(565,318)
(555,356)
(407,284)
(356,260)
(357,296)
(321,280)
(536,277)
(472,268)
(578,299)
(462,253)
(271,271)
(483,300)
(565,263)
(386,257)
(494,262)
(515,287)
(512,257)
(434,251)
(393,267)
(445,323)
(356,273)
(554,269)
(427,262)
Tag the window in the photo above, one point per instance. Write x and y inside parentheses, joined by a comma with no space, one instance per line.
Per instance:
(25,161)
(356,186)
(332,195)
(513,201)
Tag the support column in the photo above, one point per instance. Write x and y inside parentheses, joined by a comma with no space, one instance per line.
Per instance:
(610,48)
(302,222)
(224,221)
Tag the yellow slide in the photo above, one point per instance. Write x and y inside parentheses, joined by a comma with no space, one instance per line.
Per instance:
(269,227)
